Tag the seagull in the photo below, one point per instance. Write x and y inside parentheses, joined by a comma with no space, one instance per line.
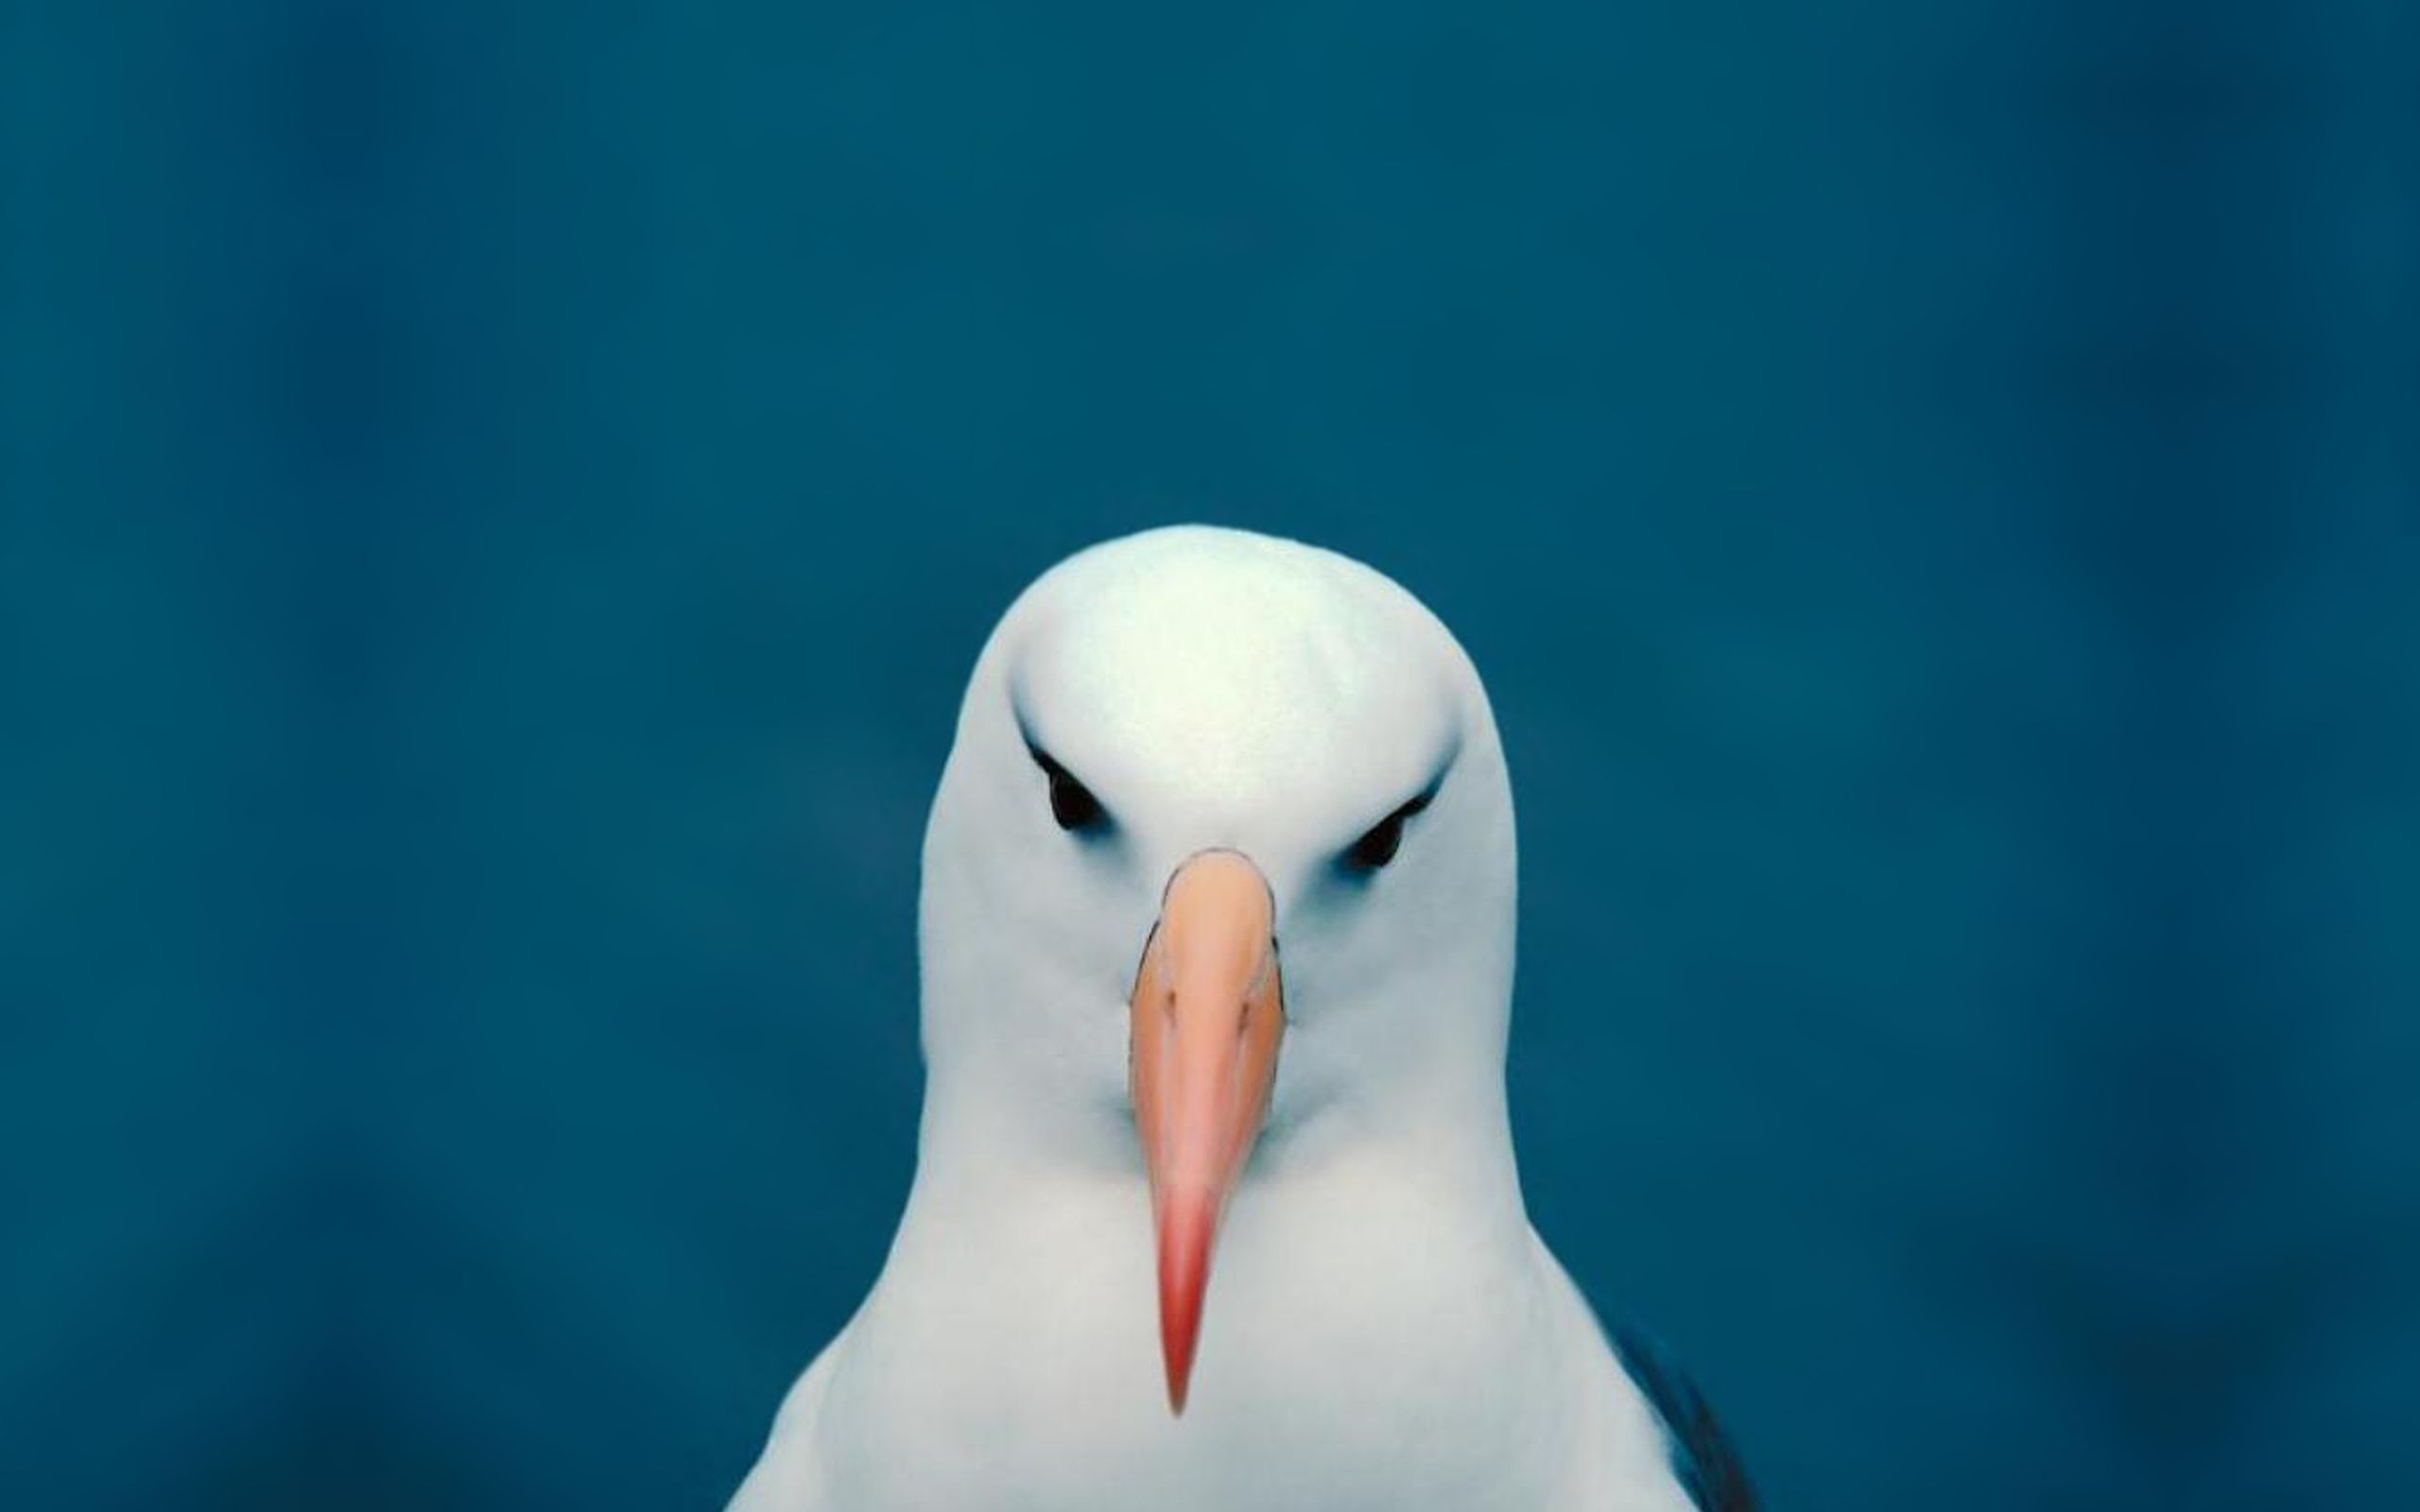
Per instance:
(1216,1206)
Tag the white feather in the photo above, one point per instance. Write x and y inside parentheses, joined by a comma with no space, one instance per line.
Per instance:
(1384,1329)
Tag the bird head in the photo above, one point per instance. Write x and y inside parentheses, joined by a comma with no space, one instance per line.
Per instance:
(1220,873)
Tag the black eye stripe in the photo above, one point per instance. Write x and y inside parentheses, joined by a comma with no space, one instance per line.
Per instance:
(1072,804)
(1379,843)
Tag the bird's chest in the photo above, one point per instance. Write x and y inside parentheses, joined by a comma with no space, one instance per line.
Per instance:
(1358,1351)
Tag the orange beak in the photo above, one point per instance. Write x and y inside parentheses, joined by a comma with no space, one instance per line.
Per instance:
(1208,1012)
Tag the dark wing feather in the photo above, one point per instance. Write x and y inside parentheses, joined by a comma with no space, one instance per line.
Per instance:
(1702,1457)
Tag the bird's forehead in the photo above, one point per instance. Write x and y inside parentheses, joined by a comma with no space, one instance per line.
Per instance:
(1260,689)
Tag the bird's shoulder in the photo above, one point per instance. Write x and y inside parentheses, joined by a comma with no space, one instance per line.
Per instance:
(787,1476)
(1702,1458)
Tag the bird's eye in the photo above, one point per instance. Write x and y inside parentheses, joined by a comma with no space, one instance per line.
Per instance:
(1071,802)
(1383,838)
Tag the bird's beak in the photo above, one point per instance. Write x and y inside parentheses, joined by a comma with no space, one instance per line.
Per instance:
(1209,1008)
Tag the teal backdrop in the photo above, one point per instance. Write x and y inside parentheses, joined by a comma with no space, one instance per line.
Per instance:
(497,502)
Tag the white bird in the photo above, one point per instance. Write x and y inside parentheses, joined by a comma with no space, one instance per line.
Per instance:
(1180,751)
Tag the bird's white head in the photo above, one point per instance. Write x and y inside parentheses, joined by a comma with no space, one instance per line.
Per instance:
(1220,876)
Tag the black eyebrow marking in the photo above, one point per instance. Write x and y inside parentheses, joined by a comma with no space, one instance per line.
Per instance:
(1425,795)
(1406,809)
(1051,766)
(1076,807)
(1375,847)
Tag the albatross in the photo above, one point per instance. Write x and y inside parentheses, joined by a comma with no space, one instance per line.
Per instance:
(1216,1206)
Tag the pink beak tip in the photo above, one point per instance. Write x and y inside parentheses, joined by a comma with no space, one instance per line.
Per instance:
(1184,1276)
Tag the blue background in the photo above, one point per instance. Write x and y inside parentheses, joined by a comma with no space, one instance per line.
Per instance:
(497,502)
